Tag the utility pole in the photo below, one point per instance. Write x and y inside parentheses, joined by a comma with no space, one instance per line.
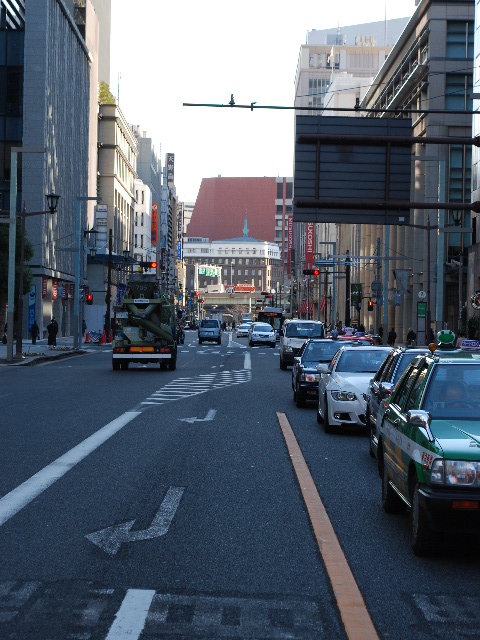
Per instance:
(377,309)
(109,285)
(347,290)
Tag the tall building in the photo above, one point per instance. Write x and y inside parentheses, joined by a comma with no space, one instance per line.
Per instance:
(430,72)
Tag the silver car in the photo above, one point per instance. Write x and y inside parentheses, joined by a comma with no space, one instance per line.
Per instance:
(343,391)
(262,333)
(242,330)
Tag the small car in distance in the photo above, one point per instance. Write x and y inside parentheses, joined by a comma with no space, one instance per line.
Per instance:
(305,377)
(342,391)
(210,329)
(242,330)
(261,333)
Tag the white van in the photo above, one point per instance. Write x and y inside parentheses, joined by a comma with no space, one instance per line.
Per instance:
(292,336)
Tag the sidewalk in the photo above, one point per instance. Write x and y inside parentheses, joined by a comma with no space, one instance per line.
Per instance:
(41,351)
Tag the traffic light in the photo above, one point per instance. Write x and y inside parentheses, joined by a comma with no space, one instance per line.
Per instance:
(89,299)
(201,301)
(311,272)
(148,265)
(370,305)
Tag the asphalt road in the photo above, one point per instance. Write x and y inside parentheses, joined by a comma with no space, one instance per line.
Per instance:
(158,504)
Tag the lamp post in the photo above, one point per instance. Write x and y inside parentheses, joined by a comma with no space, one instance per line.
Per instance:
(52,203)
(77,325)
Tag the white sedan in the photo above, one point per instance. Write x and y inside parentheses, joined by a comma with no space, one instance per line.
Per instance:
(262,333)
(343,391)
(242,330)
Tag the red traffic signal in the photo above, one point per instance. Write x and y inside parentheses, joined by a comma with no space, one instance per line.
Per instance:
(201,301)
(148,265)
(89,299)
(370,305)
(311,272)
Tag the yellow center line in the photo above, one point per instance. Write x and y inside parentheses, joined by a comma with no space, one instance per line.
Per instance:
(356,619)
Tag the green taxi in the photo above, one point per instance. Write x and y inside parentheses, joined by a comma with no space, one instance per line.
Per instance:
(428,434)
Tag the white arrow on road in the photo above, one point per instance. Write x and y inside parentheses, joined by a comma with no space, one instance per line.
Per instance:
(111,538)
(208,418)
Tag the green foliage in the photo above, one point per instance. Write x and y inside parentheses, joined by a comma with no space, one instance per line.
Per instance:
(472,328)
(104,94)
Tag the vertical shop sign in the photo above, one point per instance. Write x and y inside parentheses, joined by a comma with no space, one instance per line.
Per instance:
(31,307)
(309,240)
(44,286)
(154,229)
(54,289)
(290,243)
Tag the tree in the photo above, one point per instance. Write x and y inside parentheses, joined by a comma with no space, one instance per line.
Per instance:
(104,94)
(4,253)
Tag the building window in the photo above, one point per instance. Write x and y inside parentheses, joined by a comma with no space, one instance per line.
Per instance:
(289,190)
(239,272)
(246,272)
(240,261)
(279,191)
(310,60)
(458,89)
(460,39)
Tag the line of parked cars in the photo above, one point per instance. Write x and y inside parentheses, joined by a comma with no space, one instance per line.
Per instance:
(420,409)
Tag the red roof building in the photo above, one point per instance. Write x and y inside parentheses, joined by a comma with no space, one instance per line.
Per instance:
(223,204)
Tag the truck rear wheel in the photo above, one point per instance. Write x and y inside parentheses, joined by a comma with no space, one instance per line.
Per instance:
(124,365)
(173,363)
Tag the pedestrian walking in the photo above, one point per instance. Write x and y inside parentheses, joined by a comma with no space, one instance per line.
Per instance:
(392,336)
(52,330)
(84,327)
(411,337)
(34,331)
(380,331)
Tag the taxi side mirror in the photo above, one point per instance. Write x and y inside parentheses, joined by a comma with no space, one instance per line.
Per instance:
(323,367)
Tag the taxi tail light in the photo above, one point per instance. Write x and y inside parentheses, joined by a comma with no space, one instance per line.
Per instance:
(465,505)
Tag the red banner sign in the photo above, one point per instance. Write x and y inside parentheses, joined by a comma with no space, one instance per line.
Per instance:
(309,244)
(154,229)
(54,289)
(290,242)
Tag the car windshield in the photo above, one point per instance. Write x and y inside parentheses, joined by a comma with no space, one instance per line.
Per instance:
(320,351)
(210,324)
(304,330)
(262,328)
(453,392)
(361,360)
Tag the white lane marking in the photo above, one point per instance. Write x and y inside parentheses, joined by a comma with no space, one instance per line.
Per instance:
(208,418)
(111,538)
(131,617)
(18,498)
(247,363)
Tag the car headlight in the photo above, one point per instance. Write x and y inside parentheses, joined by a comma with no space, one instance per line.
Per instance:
(455,473)
(309,377)
(343,395)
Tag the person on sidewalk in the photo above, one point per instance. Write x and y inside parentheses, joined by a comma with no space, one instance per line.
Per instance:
(34,330)
(52,330)
(84,328)
(392,336)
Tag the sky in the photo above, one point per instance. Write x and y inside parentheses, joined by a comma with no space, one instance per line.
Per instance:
(164,54)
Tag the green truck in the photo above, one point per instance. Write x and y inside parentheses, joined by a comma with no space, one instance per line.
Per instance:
(145,326)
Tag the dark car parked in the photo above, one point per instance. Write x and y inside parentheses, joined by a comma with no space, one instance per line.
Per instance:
(382,384)
(304,372)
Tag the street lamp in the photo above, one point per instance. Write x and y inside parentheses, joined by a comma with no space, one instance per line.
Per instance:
(52,203)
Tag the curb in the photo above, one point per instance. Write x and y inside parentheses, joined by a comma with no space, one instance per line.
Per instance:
(32,361)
